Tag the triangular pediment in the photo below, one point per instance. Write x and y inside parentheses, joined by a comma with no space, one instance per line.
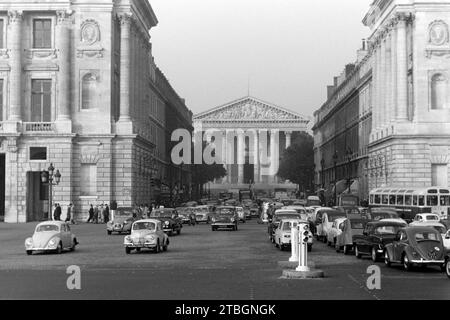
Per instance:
(249,109)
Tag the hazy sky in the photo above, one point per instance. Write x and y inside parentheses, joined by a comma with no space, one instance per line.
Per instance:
(290,49)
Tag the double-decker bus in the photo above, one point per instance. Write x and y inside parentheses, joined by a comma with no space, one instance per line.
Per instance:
(410,201)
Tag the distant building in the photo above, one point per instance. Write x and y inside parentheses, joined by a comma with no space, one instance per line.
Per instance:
(402,87)
(79,88)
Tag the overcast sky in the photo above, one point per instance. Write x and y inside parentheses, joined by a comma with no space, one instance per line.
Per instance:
(289,49)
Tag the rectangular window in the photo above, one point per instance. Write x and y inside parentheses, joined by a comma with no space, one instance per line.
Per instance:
(400,200)
(89,179)
(38,153)
(42,34)
(41,101)
(421,201)
(439,175)
(2,34)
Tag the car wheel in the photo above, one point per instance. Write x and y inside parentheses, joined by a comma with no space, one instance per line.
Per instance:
(29,252)
(138,249)
(280,246)
(357,254)
(406,263)
(108,232)
(447,267)
(158,247)
(213,229)
(74,244)
(59,249)
(178,232)
(127,250)
(374,255)
(346,250)
(387,261)
(166,246)
(338,249)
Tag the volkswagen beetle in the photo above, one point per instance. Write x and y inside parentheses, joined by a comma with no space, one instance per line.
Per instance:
(146,234)
(51,236)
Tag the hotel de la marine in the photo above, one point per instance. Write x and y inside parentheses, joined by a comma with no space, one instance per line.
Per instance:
(386,122)
(79,88)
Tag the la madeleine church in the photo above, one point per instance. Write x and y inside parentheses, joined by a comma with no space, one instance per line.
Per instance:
(278,125)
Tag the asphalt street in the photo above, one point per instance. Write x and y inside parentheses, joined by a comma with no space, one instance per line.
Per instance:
(200,264)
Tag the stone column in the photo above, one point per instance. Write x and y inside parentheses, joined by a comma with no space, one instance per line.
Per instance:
(374,89)
(224,157)
(402,69)
(241,157)
(273,153)
(288,138)
(382,82)
(15,45)
(124,125)
(387,100)
(256,158)
(63,46)
(263,152)
(393,103)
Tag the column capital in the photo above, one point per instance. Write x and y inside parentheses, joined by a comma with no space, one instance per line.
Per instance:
(125,19)
(15,16)
(63,16)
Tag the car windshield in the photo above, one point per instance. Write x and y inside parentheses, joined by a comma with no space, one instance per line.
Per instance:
(224,211)
(287,226)
(162,214)
(144,226)
(380,216)
(357,224)
(201,210)
(426,236)
(47,228)
(387,230)
(279,217)
(432,218)
(333,216)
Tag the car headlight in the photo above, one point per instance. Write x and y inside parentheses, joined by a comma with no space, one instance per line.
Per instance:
(29,242)
(127,239)
(52,243)
(167,223)
(232,220)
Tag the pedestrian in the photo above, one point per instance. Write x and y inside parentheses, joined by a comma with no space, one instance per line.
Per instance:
(69,217)
(91,214)
(55,212)
(58,212)
(96,214)
(106,213)
(146,212)
(101,212)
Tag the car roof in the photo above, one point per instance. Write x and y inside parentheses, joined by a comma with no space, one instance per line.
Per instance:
(54,223)
(148,220)
(427,224)
(414,229)
(279,211)
(387,222)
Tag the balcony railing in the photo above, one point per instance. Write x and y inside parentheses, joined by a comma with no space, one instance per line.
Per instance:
(38,127)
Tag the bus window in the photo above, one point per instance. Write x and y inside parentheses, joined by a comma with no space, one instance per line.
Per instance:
(385,199)
(377,199)
(421,201)
(392,200)
(432,201)
(400,200)
(408,200)
(444,191)
(415,201)
(445,200)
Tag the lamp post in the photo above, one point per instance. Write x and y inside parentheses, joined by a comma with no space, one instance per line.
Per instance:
(50,178)
(349,160)
(335,159)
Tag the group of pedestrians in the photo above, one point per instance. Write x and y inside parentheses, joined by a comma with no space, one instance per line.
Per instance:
(98,214)
(143,211)
(57,212)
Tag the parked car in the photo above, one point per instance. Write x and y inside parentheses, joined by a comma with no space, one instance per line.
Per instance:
(375,237)
(351,227)
(436,225)
(187,215)
(447,240)
(121,221)
(447,265)
(421,217)
(171,223)
(146,234)
(377,214)
(225,218)
(204,214)
(335,231)
(416,246)
(51,236)
(325,223)
(283,233)
(279,215)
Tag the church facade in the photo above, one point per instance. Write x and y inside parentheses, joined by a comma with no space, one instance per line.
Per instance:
(255,135)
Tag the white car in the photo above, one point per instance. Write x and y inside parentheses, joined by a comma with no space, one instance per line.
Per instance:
(335,231)
(146,234)
(438,226)
(300,210)
(241,214)
(325,221)
(421,217)
(283,233)
(51,236)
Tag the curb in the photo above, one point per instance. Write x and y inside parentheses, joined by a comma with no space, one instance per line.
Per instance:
(313,274)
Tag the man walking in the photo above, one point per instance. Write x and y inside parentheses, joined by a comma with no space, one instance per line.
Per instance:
(69,217)
(91,214)
(106,214)
(96,214)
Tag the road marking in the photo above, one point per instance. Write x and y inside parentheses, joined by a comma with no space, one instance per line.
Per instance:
(362,286)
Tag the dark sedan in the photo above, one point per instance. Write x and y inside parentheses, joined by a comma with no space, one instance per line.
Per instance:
(171,223)
(375,237)
(225,218)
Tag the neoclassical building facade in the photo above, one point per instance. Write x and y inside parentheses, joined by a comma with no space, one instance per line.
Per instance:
(256,134)
(79,88)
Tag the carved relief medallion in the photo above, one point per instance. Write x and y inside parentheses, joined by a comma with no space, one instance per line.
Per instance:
(438,33)
(90,32)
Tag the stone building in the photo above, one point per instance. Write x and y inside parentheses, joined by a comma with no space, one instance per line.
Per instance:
(247,125)
(405,112)
(79,89)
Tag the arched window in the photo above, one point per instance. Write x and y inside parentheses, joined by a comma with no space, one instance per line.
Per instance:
(89,92)
(438,92)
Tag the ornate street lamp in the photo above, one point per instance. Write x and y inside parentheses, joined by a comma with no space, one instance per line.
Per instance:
(50,178)
(335,159)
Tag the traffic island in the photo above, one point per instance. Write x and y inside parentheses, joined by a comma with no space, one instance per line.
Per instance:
(311,274)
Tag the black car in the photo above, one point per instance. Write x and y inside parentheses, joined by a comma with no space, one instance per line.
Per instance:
(225,218)
(187,215)
(171,222)
(375,237)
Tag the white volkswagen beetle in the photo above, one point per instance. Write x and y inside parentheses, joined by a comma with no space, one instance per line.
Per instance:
(51,236)
(146,234)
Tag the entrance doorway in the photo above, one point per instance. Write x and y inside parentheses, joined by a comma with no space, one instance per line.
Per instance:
(249,173)
(2,186)
(37,198)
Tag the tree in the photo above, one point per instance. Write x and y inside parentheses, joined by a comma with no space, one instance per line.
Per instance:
(297,163)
